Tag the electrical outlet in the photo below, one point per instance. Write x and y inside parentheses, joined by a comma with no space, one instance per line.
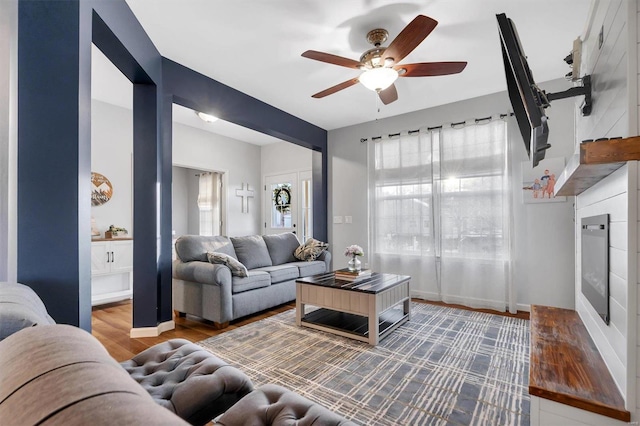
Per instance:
(337,219)
(348,219)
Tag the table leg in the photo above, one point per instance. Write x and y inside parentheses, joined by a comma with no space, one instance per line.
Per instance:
(374,325)
(407,308)
(299,305)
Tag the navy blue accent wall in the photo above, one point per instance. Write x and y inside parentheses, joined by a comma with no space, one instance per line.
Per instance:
(119,35)
(319,173)
(146,181)
(54,150)
(201,93)
(54,158)
(165,303)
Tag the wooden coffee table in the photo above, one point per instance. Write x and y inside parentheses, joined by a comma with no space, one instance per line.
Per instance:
(360,309)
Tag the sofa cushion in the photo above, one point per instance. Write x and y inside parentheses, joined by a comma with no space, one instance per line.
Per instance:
(20,307)
(310,250)
(237,268)
(196,247)
(313,267)
(253,280)
(251,251)
(280,273)
(281,247)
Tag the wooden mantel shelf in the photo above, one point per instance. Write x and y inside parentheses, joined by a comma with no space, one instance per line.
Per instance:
(596,161)
(566,367)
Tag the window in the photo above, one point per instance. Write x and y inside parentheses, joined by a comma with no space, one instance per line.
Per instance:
(441,192)
(209,203)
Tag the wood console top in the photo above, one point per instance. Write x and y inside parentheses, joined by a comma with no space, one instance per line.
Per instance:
(566,367)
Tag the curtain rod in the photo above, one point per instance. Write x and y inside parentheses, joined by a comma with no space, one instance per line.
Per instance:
(460,123)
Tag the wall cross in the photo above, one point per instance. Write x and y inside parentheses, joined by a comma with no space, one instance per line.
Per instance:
(245,194)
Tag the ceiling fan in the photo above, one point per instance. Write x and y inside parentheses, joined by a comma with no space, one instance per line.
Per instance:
(380,64)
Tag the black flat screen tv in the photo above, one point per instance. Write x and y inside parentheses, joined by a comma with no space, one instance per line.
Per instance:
(528,102)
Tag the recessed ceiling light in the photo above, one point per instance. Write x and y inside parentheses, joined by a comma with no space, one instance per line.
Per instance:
(206,117)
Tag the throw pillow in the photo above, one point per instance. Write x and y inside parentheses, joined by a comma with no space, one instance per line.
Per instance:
(310,250)
(237,268)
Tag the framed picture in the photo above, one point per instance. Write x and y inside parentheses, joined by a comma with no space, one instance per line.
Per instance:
(538,183)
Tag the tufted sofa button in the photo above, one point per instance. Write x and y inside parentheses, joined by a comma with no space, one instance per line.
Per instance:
(274,405)
(188,380)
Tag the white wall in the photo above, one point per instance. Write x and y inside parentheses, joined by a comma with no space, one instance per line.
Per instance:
(551,284)
(112,156)
(284,157)
(8,138)
(614,72)
(240,161)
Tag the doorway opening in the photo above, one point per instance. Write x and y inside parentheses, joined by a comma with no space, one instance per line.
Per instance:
(288,204)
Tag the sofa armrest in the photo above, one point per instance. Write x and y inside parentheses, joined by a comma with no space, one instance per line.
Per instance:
(202,272)
(326,257)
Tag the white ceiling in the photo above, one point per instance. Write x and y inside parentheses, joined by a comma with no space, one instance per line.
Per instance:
(254,46)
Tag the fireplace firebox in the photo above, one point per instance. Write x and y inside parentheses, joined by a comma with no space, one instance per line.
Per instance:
(595,263)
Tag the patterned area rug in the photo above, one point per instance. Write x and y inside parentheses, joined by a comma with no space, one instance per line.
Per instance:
(444,367)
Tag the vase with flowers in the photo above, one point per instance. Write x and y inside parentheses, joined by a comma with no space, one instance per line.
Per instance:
(353,252)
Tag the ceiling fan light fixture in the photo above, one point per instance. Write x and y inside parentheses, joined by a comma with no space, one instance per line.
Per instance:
(208,118)
(378,79)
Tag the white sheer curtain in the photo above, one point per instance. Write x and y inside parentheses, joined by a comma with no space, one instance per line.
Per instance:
(475,215)
(209,203)
(440,212)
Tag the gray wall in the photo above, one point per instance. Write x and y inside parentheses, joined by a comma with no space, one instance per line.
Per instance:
(185,213)
(551,284)
(239,161)
(112,156)
(8,138)
(180,201)
(284,157)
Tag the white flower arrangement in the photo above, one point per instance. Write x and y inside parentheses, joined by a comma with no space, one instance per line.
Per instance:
(354,250)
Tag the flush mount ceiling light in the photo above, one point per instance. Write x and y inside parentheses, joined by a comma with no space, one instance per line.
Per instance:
(206,117)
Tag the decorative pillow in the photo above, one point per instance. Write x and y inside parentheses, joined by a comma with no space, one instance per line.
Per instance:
(237,268)
(310,250)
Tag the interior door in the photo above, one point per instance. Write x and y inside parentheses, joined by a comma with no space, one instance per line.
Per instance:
(281,204)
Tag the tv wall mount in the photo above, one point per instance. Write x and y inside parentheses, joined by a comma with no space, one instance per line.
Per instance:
(585,90)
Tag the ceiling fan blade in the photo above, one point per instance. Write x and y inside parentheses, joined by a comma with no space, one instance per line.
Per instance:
(427,69)
(389,94)
(336,88)
(410,37)
(332,59)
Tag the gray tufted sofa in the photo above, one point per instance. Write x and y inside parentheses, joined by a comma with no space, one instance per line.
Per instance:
(274,405)
(61,375)
(188,380)
(211,292)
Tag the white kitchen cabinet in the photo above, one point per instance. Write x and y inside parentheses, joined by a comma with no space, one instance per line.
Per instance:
(111,270)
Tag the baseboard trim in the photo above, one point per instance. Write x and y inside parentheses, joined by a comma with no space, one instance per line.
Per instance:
(152,331)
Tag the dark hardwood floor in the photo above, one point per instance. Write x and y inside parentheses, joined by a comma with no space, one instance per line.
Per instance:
(111,325)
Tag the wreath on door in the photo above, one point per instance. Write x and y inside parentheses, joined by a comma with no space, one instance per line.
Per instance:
(282,198)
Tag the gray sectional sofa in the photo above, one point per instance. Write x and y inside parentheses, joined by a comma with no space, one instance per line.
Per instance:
(212,292)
